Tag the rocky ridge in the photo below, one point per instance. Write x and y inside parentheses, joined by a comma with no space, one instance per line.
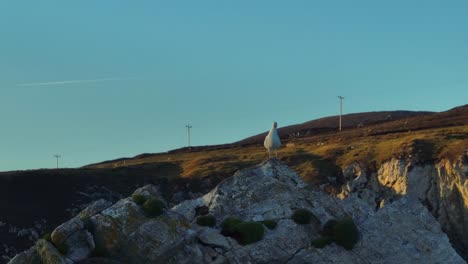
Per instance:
(401,232)
(441,186)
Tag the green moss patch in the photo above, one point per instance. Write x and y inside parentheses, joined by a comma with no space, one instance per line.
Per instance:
(139,199)
(206,220)
(321,242)
(343,232)
(228,225)
(270,224)
(302,216)
(244,232)
(153,207)
(248,232)
(47,236)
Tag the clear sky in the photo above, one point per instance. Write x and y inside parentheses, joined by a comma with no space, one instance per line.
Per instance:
(97,80)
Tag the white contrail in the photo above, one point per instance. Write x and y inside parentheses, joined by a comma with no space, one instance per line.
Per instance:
(75,81)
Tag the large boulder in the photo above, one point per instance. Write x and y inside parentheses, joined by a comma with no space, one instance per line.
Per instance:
(49,254)
(65,230)
(268,191)
(80,245)
(402,232)
(113,225)
(125,232)
(148,191)
(29,256)
(212,237)
(93,209)
(73,234)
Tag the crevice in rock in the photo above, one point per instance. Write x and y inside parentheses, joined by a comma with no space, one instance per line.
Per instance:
(295,253)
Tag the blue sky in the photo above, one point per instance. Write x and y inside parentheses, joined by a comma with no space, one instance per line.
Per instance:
(97,80)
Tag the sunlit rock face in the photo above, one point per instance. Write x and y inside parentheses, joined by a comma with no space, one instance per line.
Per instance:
(442,187)
(401,232)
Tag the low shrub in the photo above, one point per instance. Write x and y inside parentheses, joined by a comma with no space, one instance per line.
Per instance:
(327,229)
(345,233)
(139,199)
(47,236)
(206,220)
(153,207)
(248,232)
(270,224)
(321,242)
(302,216)
(228,225)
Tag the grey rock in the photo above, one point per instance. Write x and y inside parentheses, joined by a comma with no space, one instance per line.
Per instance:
(212,237)
(49,254)
(148,191)
(188,208)
(269,191)
(154,240)
(94,208)
(178,197)
(113,225)
(402,232)
(29,256)
(63,231)
(80,245)
(189,254)
(441,186)
(72,234)
(209,254)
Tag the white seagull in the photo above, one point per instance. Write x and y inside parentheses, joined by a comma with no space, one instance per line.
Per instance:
(272,140)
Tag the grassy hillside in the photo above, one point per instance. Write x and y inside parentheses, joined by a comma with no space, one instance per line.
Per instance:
(424,136)
(330,124)
(317,157)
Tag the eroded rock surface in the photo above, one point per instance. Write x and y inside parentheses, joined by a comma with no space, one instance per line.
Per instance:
(442,187)
(402,232)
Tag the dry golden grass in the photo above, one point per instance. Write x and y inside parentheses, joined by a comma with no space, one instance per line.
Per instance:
(315,158)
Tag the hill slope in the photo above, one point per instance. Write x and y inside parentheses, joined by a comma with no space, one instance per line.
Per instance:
(330,124)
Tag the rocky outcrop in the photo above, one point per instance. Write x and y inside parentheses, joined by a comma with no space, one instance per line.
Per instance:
(442,187)
(402,232)
(29,256)
(69,243)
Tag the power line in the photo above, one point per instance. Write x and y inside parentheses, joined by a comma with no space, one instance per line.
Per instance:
(188,133)
(341,110)
(57,156)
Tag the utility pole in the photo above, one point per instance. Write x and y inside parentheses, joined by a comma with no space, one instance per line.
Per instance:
(188,133)
(341,109)
(57,156)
